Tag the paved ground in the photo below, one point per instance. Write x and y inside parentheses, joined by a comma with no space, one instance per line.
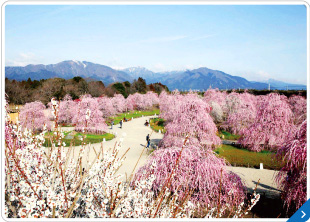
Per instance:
(134,137)
(250,177)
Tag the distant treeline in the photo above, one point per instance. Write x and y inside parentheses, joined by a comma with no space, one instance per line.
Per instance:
(287,93)
(21,92)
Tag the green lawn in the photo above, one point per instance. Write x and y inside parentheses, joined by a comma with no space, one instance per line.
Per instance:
(134,114)
(245,158)
(76,141)
(158,124)
(227,136)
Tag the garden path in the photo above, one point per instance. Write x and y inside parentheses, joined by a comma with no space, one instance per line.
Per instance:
(134,137)
(250,176)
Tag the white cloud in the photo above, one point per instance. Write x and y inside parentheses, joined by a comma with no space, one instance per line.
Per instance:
(263,75)
(23,59)
(159,67)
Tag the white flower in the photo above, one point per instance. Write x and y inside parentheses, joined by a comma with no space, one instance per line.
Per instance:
(88,112)
(54,102)
(40,202)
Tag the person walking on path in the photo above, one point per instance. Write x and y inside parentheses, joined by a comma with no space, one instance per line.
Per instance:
(148,143)
(121,124)
(147,137)
(112,123)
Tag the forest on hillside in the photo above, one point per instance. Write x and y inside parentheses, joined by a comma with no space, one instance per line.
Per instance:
(21,92)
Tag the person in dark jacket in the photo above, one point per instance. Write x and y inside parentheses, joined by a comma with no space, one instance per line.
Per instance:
(148,143)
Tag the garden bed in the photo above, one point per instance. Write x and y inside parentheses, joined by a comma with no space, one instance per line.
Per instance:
(75,139)
(245,158)
(130,115)
(158,124)
(227,135)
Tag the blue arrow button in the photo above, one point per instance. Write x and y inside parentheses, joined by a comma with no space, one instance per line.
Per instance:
(302,214)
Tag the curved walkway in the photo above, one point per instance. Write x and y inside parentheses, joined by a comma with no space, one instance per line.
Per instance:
(250,176)
(134,137)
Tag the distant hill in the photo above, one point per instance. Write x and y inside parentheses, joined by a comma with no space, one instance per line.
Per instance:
(284,86)
(136,72)
(196,79)
(67,70)
(204,78)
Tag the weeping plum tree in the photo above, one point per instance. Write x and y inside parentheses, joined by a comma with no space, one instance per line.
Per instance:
(217,100)
(242,112)
(185,163)
(198,172)
(151,98)
(139,101)
(119,103)
(88,116)
(168,104)
(293,176)
(32,116)
(130,103)
(66,110)
(191,117)
(271,125)
(214,95)
(216,112)
(298,105)
(106,106)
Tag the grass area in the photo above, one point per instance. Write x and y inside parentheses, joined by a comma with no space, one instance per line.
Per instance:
(245,158)
(227,136)
(76,141)
(129,115)
(158,124)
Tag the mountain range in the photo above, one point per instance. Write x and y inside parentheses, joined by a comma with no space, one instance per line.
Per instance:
(196,79)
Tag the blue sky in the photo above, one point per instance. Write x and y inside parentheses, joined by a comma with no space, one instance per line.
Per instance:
(255,42)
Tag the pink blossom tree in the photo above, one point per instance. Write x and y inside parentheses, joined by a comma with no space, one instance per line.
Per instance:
(151,99)
(130,103)
(32,116)
(136,102)
(293,176)
(88,116)
(119,103)
(217,100)
(67,110)
(216,112)
(106,106)
(298,105)
(214,95)
(191,169)
(190,117)
(271,125)
(242,112)
(168,104)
